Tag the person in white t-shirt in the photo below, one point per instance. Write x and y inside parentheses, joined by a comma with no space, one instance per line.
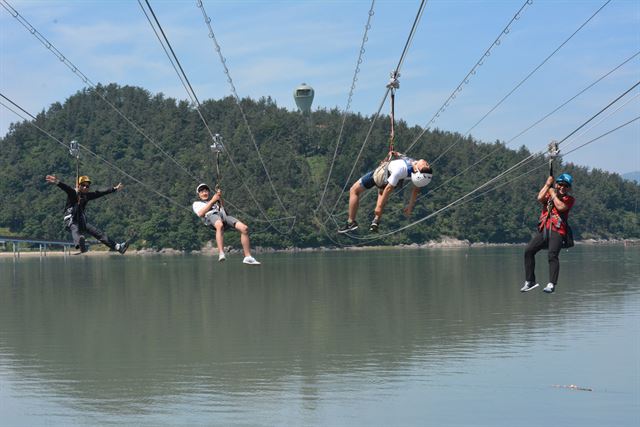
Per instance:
(211,210)
(394,173)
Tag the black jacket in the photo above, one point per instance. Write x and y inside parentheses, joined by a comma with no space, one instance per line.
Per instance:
(77,202)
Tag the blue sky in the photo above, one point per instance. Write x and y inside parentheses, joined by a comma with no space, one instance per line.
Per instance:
(273,46)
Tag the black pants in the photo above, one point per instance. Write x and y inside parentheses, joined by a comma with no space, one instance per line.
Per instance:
(77,230)
(553,244)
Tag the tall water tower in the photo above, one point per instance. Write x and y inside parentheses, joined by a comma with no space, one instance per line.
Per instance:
(303,95)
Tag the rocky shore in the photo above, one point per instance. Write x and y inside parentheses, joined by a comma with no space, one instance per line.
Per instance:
(443,243)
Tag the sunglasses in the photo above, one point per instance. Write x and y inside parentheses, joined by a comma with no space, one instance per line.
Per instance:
(85,185)
(562,184)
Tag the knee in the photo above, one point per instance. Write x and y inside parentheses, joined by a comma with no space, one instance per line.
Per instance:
(355,189)
(242,228)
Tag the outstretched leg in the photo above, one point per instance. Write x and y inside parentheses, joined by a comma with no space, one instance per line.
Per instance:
(101,236)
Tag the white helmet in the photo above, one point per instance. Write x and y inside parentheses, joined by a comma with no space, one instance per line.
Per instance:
(421,179)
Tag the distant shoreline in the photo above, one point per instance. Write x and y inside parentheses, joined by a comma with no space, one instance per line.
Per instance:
(445,243)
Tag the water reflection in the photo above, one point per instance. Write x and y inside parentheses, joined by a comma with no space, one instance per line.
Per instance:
(126,334)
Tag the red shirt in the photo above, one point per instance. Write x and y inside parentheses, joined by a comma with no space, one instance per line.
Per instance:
(555,221)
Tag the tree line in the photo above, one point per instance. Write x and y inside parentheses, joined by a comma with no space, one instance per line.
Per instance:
(297,151)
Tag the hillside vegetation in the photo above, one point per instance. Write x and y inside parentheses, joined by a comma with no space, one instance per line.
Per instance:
(297,152)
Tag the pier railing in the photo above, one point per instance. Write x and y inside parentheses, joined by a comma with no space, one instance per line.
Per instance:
(43,245)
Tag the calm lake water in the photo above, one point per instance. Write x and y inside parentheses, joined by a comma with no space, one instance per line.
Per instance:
(385,338)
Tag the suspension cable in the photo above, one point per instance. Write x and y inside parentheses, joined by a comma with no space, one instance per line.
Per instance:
(536,122)
(497,42)
(88,150)
(367,27)
(47,44)
(568,143)
(395,72)
(175,62)
(223,61)
(504,98)
(517,165)
(465,81)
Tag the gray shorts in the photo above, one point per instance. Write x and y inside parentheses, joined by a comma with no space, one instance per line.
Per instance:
(228,221)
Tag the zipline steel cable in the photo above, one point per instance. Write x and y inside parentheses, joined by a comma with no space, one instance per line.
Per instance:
(175,62)
(47,44)
(465,81)
(395,73)
(520,163)
(617,128)
(367,27)
(527,77)
(97,156)
(537,122)
(479,63)
(223,61)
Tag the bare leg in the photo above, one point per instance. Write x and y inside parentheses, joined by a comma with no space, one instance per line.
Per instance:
(219,226)
(354,199)
(244,238)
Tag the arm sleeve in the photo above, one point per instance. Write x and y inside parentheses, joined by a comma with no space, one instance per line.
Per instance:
(64,187)
(99,193)
(197,206)
(396,172)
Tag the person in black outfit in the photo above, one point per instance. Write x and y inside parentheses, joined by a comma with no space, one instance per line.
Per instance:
(75,219)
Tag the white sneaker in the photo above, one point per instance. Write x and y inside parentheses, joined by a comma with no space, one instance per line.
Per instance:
(250,260)
(549,288)
(529,286)
(221,257)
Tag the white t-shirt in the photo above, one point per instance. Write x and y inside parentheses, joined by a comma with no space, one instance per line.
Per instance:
(399,170)
(198,205)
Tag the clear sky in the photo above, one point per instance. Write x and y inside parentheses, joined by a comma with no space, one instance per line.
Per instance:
(273,46)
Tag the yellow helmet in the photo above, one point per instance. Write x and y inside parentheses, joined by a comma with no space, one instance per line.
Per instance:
(84,179)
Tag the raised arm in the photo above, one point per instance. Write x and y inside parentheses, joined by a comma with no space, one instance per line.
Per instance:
(99,193)
(52,179)
(542,194)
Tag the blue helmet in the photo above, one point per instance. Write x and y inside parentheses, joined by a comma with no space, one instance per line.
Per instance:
(566,178)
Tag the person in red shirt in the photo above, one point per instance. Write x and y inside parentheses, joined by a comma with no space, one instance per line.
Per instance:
(552,230)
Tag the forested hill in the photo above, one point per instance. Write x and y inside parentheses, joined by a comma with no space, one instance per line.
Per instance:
(297,152)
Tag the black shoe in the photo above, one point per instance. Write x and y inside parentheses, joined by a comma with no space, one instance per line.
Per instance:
(82,245)
(349,227)
(122,247)
(373,228)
